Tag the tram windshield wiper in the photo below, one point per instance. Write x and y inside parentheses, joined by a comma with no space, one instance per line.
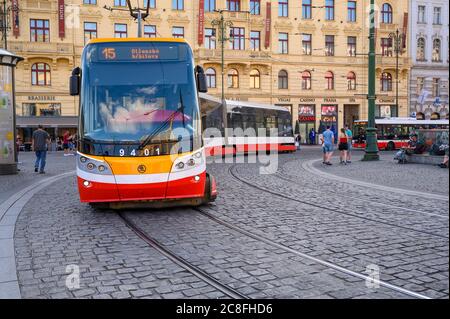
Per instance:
(166,122)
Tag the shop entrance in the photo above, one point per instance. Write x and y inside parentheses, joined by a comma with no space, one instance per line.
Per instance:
(351,114)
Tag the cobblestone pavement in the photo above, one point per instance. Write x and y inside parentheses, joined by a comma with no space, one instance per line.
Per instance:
(409,246)
(56,163)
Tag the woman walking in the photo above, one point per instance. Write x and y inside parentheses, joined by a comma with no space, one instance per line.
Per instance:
(343,146)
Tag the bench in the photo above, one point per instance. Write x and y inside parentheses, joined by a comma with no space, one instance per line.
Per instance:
(425,159)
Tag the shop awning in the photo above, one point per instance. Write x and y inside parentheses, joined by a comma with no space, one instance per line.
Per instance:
(47,121)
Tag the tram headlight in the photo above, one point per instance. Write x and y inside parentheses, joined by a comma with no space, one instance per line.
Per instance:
(198,155)
(83,159)
(180,165)
(191,162)
(101,168)
(90,166)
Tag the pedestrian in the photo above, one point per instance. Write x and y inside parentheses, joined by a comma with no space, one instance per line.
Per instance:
(343,146)
(328,141)
(67,143)
(322,145)
(39,144)
(349,133)
(298,139)
(312,137)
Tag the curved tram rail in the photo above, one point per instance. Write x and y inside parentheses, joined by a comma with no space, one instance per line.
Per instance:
(232,293)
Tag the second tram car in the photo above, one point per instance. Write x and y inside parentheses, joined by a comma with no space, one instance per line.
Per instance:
(140,139)
(252,126)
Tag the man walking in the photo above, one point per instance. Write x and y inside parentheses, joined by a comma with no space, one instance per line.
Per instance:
(349,133)
(328,139)
(39,145)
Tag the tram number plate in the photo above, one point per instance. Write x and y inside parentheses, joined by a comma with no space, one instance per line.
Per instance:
(154,151)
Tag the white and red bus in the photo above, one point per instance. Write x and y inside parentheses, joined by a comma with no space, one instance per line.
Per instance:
(393,133)
(243,117)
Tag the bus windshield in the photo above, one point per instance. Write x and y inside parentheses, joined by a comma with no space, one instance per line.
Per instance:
(135,90)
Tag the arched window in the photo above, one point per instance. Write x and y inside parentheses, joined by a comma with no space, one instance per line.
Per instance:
(421,49)
(282,79)
(211,77)
(40,74)
(329,79)
(386,13)
(255,79)
(351,81)
(306,80)
(233,79)
(436,57)
(386,82)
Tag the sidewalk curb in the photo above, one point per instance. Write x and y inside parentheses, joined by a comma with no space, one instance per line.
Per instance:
(9,212)
(308,166)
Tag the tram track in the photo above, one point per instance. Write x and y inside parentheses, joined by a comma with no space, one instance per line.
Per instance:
(194,270)
(336,210)
(309,257)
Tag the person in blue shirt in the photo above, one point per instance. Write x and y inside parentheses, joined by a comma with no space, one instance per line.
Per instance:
(312,137)
(328,138)
(349,133)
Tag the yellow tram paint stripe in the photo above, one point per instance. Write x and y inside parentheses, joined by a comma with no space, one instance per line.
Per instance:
(113,40)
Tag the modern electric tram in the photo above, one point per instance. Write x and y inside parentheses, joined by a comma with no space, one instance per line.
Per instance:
(252,127)
(140,139)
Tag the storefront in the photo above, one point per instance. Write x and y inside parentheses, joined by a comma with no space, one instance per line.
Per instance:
(386,108)
(329,117)
(307,122)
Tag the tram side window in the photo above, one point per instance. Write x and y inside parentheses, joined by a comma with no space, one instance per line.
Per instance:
(284,124)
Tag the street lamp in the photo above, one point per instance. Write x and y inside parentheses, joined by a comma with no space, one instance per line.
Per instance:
(371,151)
(8,151)
(223,25)
(397,40)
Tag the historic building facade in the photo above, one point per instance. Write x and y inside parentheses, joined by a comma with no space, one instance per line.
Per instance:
(429,51)
(307,55)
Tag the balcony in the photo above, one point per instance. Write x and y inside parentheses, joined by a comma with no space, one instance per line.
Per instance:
(244,55)
(41,47)
(390,61)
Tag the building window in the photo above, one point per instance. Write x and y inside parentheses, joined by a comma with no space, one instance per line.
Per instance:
(89,1)
(329,80)
(329,45)
(39,30)
(351,81)
(437,15)
(283,80)
(177,4)
(90,31)
(283,8)
(255,79)
(420,83)
(306,9)
(255,7)
(421,49)
(421,14)
(237,36)
(152,4)
(40,74)
(234,5)
(351,46)
(210,5)
(351,11)
(120,3)
(386,13)
(435,87)
(233,79)
(149,31)
(436,50)
(283,43)
(120,30)
(307,44)
(386,82)
(178,32)
(255,40)
(386,46)
(329,9)
(306,80)
(210,38)
(211,77)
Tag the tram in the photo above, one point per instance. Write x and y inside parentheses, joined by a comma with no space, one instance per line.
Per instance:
(251,127)
(140,139)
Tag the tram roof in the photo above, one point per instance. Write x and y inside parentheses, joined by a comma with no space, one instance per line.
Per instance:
(407,120)
(243,103)
(114,40)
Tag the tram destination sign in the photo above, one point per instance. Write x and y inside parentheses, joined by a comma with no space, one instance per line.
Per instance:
(135,52)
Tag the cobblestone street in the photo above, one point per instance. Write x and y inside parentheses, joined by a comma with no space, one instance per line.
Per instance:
(305,231)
